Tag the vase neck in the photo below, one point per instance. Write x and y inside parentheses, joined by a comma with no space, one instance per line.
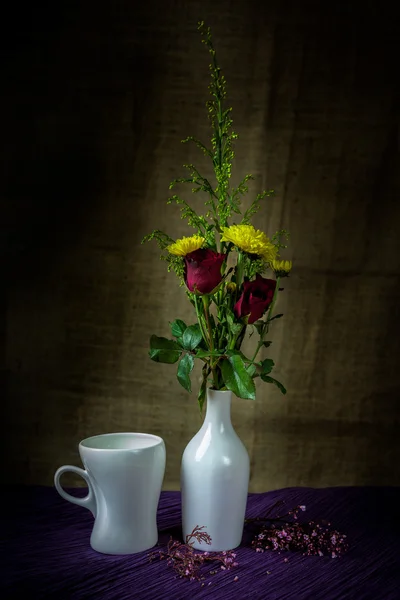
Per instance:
(218,409)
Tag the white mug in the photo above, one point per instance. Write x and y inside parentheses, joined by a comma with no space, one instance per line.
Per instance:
(124,473)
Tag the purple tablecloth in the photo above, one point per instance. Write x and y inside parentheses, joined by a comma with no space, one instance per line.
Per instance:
(46,552)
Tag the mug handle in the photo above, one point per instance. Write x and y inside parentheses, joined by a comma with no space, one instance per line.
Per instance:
(88,501)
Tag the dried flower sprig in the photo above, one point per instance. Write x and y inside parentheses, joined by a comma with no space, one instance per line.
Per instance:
(310,538)
(187,563)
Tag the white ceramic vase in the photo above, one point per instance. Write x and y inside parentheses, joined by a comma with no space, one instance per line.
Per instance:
(215,478)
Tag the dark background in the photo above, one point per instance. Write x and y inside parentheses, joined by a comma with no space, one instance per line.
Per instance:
(95,100)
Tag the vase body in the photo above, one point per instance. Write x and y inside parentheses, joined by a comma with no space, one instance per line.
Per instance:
(215,478)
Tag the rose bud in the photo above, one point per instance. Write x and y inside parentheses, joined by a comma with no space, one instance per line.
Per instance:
(256,298)
(203,270)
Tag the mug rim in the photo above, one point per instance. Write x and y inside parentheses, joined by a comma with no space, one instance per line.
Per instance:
(157,438)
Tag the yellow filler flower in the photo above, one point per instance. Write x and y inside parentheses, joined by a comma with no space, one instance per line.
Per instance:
(186,245)
(250,240)
(281,268)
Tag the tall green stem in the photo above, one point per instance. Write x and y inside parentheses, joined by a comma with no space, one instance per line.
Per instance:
(239,271)
(259,346)
(235,338)
(200,320)
(206,306)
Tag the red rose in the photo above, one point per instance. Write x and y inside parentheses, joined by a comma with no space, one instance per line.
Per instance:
(203,270)
(256,297)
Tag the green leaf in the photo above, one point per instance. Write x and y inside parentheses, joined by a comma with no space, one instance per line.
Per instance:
(272,380)
(192,337)
(275,317)
(251,369)
(237,379)
(184,369)
(259,325)
(178,328)
(267,366)
(164,350)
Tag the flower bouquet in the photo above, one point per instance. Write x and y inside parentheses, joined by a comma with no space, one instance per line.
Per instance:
(231,270)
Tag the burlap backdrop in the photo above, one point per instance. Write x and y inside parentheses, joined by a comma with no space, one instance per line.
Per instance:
(97,99)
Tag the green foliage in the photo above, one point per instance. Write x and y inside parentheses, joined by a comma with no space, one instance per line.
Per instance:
(253,265)
(198,222)
(178,328)
(255,206)
(251,369)
(268,379)
(222,201)
(185,367)
(277,237)
(237,378)
(267,366)
(192,337)
(164,350)
(240,190)
(223,136)
(163,240)
(175,263)
(199,144)
(217,336)
(234,328)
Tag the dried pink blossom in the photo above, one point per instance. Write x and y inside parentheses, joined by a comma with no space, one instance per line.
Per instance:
(309,538)
(187,563)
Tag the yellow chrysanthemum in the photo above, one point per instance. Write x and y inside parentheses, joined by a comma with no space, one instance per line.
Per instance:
(281,268)
(186,245)
(250,240)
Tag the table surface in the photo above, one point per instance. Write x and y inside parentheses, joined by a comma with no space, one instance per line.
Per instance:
(46,552)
